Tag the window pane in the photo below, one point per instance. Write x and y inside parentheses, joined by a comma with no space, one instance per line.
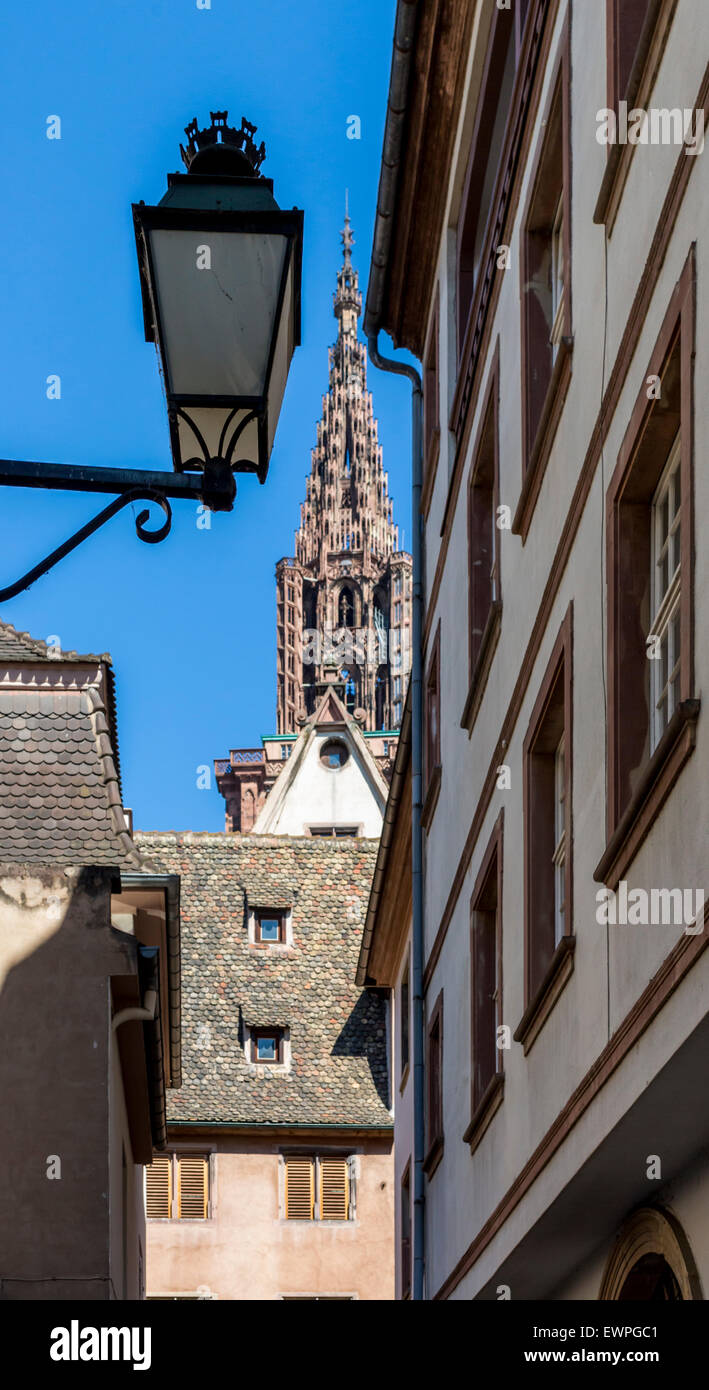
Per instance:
(676,637)
(664,670)
(267,1049)
(269,928)
(664,517)
(663,576)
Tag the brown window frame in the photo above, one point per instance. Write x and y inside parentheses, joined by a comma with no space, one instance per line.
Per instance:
(432,739)
(484,574)
(547,963)
(406,1241)
(434,1089)
(279,1035)
(639,778)
(639,81)
(545,379)
(405,1022)
(625,23)
(269,914)
(474,221)
(486,1082)
(431,405)
(531,67)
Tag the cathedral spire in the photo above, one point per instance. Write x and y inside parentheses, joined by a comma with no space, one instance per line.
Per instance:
(347,299)
(346,233)
(348,571)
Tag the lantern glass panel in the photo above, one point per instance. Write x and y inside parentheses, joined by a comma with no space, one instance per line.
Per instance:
(217,426)
(217,321)
(284,348)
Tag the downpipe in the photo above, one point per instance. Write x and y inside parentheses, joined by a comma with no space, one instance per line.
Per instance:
(144,1015)
(388,364)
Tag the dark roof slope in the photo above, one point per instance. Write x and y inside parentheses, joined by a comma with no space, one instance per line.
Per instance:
(60,792)
(338,1073)
(59,796)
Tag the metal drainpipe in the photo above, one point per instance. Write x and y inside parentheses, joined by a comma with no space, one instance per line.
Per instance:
(388,364)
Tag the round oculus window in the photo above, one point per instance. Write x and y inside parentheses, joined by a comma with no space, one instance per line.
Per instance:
(334,753)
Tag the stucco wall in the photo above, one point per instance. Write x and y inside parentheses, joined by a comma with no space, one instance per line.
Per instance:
(247,1250)
(57,951)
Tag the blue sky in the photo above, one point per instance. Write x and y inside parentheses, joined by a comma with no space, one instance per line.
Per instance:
(190,623)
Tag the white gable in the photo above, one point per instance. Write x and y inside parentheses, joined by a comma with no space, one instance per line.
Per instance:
(316,791)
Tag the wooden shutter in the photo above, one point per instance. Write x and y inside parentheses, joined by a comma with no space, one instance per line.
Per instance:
(334,1189)
(300,1189)
(192,1187)
(158,1186)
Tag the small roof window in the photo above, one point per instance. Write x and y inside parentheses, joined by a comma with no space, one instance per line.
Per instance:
(334,753)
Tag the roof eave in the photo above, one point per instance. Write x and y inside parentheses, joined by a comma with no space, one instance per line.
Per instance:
(391,812)
(395,124)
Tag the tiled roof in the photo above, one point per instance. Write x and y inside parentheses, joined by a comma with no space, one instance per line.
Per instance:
(19,646)
(60,797)
(338,1069)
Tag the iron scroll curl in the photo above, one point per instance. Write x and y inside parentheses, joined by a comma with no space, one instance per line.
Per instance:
(150,537)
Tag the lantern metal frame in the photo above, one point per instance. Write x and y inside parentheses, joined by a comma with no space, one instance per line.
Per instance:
(165,217)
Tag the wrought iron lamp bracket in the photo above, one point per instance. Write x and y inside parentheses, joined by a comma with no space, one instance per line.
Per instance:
(214,487)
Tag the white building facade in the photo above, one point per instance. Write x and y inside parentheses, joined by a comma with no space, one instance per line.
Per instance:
(556,291)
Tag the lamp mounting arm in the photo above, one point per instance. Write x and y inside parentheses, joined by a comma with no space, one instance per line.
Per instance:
(214,487)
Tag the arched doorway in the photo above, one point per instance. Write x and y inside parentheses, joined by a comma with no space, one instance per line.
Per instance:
(651,1262)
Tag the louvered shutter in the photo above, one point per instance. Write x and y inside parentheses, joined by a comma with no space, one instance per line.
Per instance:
(334,1189)
(192,1187)
(158,1186)
(300,1189)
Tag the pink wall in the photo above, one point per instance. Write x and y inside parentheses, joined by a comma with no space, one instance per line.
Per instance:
(247,1250)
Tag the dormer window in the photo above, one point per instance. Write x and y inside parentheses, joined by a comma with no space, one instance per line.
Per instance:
(267,1046)
(270,926)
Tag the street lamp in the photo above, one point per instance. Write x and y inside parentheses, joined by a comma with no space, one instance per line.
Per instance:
(220,276)
(220,273)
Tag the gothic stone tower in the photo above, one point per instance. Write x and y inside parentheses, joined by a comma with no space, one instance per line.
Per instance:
(344,600)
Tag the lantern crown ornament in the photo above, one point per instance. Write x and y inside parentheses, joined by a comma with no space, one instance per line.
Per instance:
(220,271)
(221,148)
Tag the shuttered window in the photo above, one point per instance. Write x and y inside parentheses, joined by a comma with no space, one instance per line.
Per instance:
(158,1186)
(318,1189)
(300,1189)
(334,1189)
(192,1188)
(177,1187)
